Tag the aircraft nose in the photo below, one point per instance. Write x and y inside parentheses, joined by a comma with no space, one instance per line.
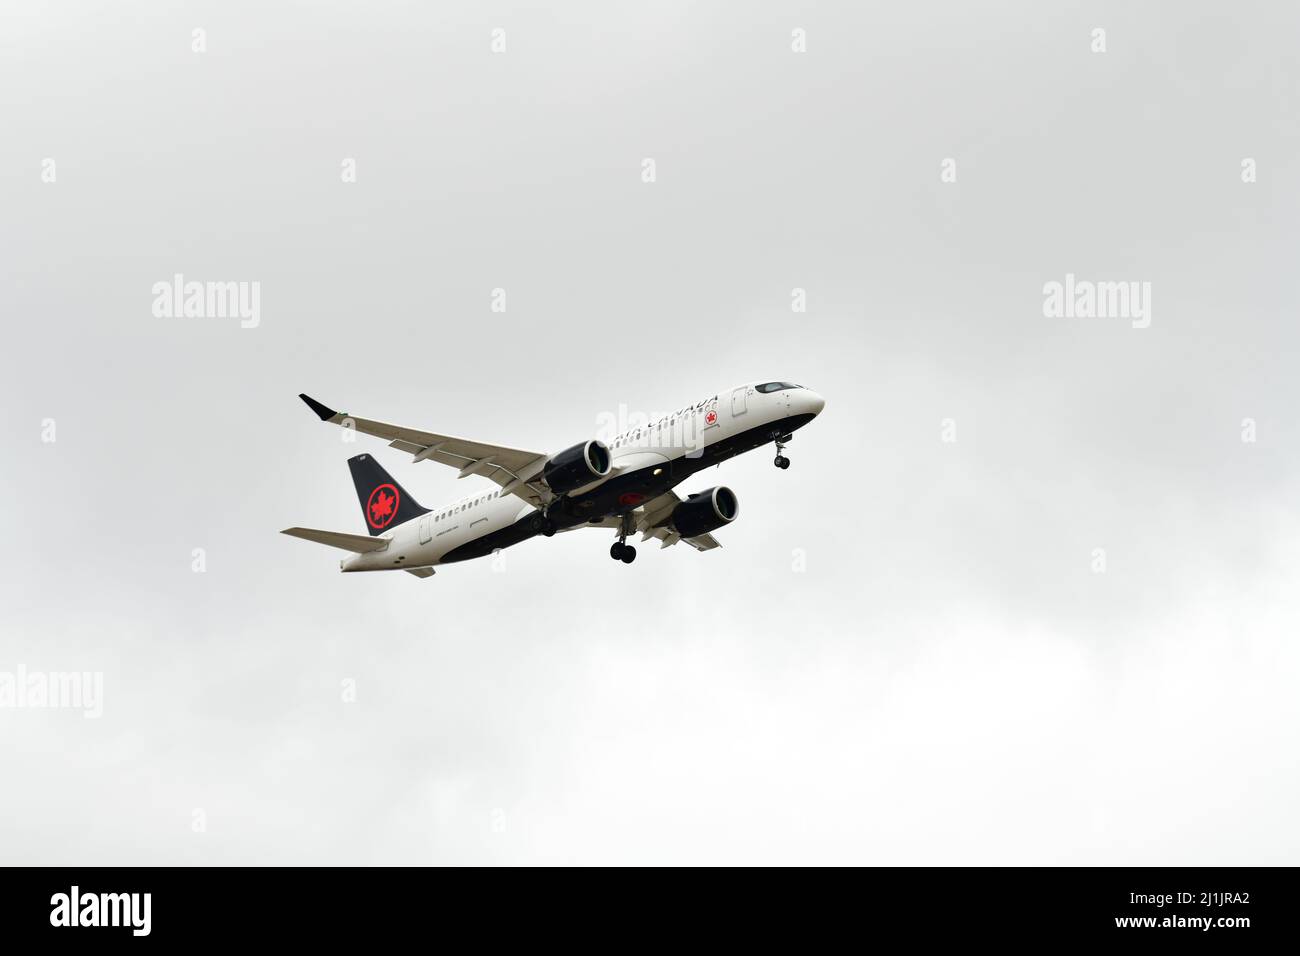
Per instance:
(815,402)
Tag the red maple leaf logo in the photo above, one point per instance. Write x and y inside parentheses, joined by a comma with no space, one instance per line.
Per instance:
(381,506)
(710,418)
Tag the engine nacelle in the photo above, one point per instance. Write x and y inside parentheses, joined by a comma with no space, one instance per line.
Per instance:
(705,511)
(577,466)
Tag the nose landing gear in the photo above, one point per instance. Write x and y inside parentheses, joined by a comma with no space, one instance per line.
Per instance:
(781,461)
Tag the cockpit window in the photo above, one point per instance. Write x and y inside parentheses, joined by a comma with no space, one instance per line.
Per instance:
(776,386)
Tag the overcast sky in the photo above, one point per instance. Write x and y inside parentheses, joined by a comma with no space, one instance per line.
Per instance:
(1028,593)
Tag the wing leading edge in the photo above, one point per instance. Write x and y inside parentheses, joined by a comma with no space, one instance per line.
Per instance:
(517,471)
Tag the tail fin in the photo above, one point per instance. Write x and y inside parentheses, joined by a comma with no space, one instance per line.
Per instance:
(384,503)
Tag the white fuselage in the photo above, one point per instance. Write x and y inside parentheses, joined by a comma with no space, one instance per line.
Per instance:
(686,433)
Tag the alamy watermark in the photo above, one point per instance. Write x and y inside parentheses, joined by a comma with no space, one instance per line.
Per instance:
(1085,299)
(178,299)
(685,429)
(78,908)
(53,690)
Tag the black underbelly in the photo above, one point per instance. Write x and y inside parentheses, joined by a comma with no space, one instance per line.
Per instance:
(625,492)
(521,530)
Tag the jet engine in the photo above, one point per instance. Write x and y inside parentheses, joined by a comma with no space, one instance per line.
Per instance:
(705,511)
(577,466)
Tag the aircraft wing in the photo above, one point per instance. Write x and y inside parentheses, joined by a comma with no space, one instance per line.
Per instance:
(652,516)
(651,519)
(518,472)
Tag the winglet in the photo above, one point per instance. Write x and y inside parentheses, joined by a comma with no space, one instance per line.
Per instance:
(325,413)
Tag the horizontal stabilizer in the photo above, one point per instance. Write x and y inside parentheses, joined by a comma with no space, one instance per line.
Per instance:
(337,539)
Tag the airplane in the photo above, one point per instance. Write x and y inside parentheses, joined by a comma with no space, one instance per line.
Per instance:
(626,485)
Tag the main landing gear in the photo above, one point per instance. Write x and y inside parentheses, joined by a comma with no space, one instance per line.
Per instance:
(543,525)
(620,550)
(781,461)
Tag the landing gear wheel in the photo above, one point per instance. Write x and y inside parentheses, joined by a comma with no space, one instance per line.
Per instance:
(782,462)
(620,550)
(543,525)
